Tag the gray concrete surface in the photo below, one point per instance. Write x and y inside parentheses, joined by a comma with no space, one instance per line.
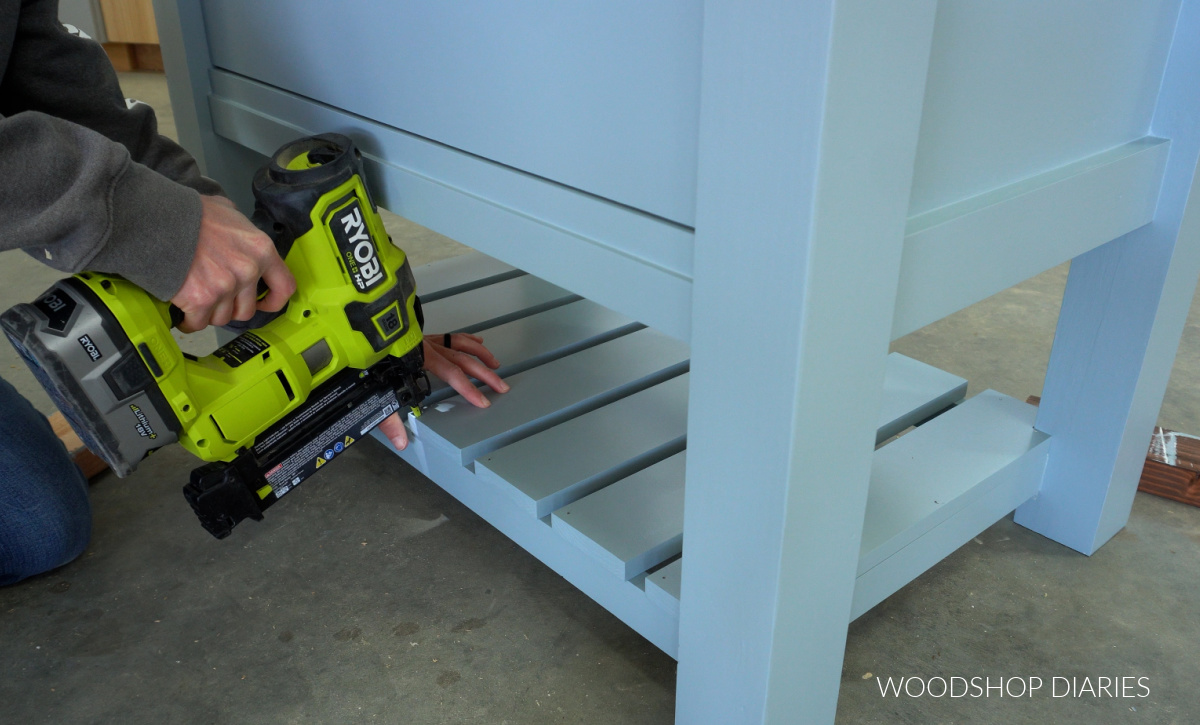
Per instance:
(372,596)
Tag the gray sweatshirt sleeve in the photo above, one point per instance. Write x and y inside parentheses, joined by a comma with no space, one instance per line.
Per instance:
(86,181)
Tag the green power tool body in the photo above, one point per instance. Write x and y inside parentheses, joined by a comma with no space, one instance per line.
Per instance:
(275,404)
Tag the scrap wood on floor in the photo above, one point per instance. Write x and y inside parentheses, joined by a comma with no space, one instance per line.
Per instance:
(88,462)
(1172,467)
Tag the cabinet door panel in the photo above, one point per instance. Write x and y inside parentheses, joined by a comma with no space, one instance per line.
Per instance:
(598,96)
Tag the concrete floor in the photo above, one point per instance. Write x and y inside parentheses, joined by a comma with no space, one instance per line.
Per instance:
(371,595)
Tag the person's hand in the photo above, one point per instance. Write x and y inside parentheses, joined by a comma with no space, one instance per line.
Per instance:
(465,358)
(231,255)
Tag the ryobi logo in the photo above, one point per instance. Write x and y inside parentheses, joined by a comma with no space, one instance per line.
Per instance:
(358,251)
(90,348)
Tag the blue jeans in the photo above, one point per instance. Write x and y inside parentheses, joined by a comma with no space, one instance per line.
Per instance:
(45,515)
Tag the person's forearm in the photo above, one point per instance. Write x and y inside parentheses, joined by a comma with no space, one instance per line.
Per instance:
(75,200)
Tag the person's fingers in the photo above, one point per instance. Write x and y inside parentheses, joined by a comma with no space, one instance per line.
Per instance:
(193,321)
(280,283)
(456,336)
(465,342)
(474,346)
(438,339)
(200,291)
(222,312)
(393,428)
(197,306)
(231,256)
(245,304)
(477,369)
(446,370)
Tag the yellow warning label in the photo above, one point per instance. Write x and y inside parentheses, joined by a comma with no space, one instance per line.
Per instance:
(264,492)
(349,441)
(320,461)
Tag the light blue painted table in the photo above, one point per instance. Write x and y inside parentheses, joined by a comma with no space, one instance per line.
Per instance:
(705,221)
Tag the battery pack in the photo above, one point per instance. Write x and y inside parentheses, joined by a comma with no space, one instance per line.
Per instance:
(93,372)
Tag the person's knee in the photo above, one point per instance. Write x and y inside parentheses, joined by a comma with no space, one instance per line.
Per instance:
(40,538)
(45,515)
(67,535)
